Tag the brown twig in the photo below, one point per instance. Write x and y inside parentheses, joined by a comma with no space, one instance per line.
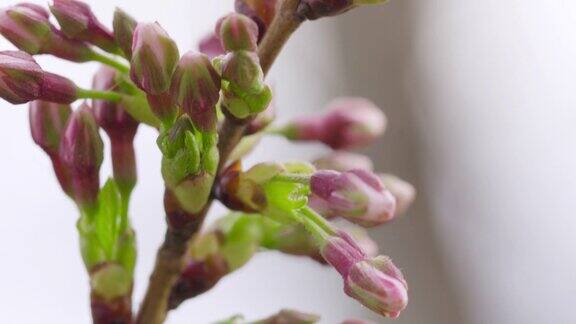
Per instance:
(182,226)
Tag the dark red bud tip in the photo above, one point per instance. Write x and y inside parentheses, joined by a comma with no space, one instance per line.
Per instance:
(58,89)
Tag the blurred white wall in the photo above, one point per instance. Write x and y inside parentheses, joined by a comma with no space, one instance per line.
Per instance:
(481,96)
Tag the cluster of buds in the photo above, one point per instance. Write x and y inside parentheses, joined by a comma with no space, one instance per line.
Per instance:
(244,92)
(28,27)
(347,123)
(285,207)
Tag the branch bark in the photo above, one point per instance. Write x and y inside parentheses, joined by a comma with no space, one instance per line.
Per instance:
(182,226)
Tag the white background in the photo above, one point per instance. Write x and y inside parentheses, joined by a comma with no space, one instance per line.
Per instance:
(481,99)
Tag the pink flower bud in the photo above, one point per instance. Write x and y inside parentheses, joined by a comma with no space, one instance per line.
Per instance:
(56,88)
(20,77)
(26,26)
(404,192)
(261,11)
(211,46)
(22,80)
(348,123)
(81,151)
(357,195)
(237,33)
(154,58)
(342,252)
(344,161)
(110,115)
(77,21)
(47,123)
(124,26)
(379,285)
(196,89)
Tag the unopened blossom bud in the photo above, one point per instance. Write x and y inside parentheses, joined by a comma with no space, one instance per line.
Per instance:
(196,89)
(357,195)
(289,316)
(47,123)
(56,88)
(81,151)
(22,80)
(237,33)
(154,58)
(344,161)
(314,9)
(242,69)
(121,129)
(26,26)
(77,21)
(245,93)
(404,192)
(342,252)
(379,285)
(20,77)
(347,123)
(124,26)
(261,11)
(211,45)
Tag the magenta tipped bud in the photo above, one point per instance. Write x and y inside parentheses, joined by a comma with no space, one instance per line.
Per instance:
(342,252)
(26,26)
(237,33)
(124,26)
(22,80)
(344,161)
(81,152)
(348,123)
(404,192)
(196,89)
(47,123)
(379,285)
(154,58)
(211,46)
(20,77)
(357,195)
(77,21)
